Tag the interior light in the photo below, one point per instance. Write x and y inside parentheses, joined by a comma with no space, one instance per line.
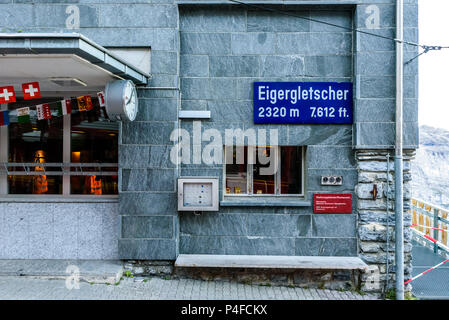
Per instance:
(68,82)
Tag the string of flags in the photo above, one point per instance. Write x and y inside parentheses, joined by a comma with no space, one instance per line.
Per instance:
(31,90)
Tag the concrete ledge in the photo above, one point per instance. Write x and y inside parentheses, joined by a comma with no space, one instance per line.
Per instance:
(94,271)
(266,262)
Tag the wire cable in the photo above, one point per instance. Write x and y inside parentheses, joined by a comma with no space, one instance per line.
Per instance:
(426,48)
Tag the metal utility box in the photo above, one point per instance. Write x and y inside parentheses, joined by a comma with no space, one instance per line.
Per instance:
(197,194)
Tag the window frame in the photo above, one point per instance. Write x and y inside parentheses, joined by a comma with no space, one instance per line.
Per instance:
(66,172)
(277,178)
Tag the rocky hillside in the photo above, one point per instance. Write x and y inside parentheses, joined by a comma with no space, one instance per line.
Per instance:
(430,169)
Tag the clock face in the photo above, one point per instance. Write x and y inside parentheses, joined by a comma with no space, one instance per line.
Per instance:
(130,101)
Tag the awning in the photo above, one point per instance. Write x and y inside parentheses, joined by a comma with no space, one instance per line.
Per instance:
(61,62)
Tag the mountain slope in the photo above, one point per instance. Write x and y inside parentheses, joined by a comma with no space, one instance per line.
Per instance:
(430,169)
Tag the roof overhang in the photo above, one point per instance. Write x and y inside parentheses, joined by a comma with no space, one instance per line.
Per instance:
(61,62)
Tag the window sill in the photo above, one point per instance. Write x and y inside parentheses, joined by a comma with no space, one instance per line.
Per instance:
(58,199)
(265,203)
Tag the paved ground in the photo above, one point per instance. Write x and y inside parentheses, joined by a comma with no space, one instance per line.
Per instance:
(432,285)
(26,288)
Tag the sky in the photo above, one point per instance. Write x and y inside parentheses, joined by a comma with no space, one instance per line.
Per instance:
(434,66)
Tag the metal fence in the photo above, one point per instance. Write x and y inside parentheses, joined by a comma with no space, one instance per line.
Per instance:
(430,248)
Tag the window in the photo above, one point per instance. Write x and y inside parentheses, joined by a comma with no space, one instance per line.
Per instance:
(77,153)
(264,170)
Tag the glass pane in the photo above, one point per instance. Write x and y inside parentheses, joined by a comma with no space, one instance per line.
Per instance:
(263,183)
(291,170)
(94,185)
(35,141)
(94,139)
(236,172)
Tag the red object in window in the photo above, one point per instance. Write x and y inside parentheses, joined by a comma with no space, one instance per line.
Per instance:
(31,90)
(332,203)
(7,94)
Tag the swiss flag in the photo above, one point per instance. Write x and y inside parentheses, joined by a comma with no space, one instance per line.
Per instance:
(31,90)
(7,94)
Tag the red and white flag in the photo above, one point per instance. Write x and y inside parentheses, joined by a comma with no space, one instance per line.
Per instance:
(31,90)
(43,111)
(64,107)
(101,99)
(7,94)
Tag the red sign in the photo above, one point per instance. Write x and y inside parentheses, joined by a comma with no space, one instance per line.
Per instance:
(31,90)
(7,94)
(332,203)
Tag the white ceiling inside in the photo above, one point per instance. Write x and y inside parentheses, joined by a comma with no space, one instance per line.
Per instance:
(18,69)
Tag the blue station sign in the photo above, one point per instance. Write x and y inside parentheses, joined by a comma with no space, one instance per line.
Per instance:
(303,102)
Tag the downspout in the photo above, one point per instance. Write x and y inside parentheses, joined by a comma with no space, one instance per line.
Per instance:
(398,161)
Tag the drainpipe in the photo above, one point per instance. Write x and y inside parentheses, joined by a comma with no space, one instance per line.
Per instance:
(398,161)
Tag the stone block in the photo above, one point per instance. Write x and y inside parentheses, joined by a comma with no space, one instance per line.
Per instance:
(205,43)
(259,246)
(230,111)
(383,110)
(341,18)
(330,43)
(221,88)
(293,43)
(366,42)
(201,245)
(89,233)
(212,19)
(195,88)
(138,15)
(147,227)
(328,66)
(320,135)
(164,62)
(137,203)
(194,66)
(146,249)
(330,157)
(161,180)
(377,87)
(376,63)
(56,16)
(157,110)
(17,15)
(279,225)
(326,247)
(213,224)
(157,133)
(263,21)
(282,66)
(334,225)
(234,66)
(253,43)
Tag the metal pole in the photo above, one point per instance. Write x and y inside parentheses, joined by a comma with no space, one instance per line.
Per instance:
(398,165)
(435,231)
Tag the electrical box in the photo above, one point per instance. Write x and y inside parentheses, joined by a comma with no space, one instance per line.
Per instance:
(331,180)
(197,194)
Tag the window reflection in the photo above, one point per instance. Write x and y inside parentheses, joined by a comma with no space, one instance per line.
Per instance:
(263,184)
(94,139)
(36,141)
(236,172)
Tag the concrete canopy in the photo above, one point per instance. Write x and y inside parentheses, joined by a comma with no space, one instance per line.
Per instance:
(61,62)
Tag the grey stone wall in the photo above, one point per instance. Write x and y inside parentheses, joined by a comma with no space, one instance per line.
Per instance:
(376,81)
(59,230)
(217,52)
(223,50)
(376,224)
